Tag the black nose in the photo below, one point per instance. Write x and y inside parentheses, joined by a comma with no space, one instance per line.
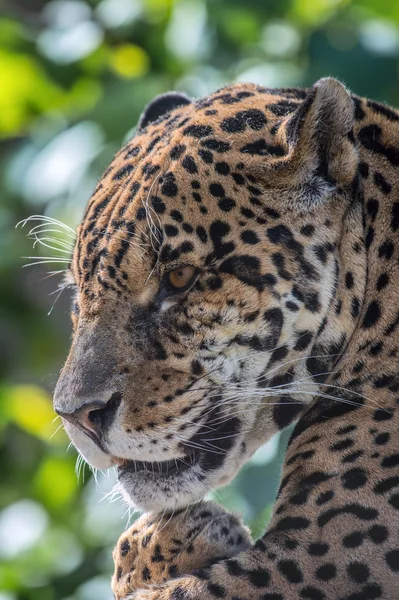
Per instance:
(94,417)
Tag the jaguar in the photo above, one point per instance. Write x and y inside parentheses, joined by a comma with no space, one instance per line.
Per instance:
(235,272)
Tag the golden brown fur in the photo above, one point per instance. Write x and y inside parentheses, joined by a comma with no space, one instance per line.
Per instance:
(155,549)
(285,202)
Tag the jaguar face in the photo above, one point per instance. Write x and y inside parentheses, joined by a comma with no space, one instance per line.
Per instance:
(205,268)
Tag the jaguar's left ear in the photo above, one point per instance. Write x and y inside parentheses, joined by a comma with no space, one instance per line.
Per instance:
(319,136)
(160,106)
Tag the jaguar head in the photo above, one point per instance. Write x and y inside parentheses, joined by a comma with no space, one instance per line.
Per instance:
(205,269)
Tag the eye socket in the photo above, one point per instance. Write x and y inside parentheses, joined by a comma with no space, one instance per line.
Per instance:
(180,279)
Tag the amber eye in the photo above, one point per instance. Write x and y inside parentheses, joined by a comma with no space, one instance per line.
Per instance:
(180,278)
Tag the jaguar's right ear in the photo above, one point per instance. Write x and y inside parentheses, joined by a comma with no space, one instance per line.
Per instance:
(319,135)
(320,150)
(160,106)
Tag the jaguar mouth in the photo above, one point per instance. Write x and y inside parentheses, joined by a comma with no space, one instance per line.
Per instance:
(166,468)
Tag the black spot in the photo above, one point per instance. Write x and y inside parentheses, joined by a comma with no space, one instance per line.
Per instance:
(217,231)
(290,570)
(141,214)
(292,524)
(282,108)
(354,479)
(357,510)
(179,593)
(249,237)
(382,438)
(378,534)
(169,187)
(370,138)
(382,282)
(215,589)
(201,233)
(359,112)
(392,559)
(383,109)
(346,429)
(394,501)
(364,169)
(326,572)
(196,367)
(177,151)
(146,574)
(278,354)
(197,198)
(245,268)
(259,577)
(189,164)
(216,145)
(292,306)
(318,549)
(358,572)
(233,567)
(349,281)
(382,414)
(217,190)
(239,179)
(372,208)
(253,118)
(303,340)
(382,183)
(386,250)
(226,204)
(198,131)
(222,168)
(324,497)
(355,307)
(176,216)
(386,485)
(369,237)
(311,593)
(123,172)
(395,216)
(307,230)
(353,540)
(262,148)
(171,230)
(372,315)
(158,205)
(342,445)
(352,457)
(125,548)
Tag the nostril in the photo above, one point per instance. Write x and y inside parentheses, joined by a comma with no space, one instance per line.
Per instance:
(102,418)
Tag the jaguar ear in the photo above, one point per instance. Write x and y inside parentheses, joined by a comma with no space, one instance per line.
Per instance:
(160,106)
(320,137)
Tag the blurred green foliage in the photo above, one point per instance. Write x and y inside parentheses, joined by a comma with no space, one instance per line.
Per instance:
(74,77)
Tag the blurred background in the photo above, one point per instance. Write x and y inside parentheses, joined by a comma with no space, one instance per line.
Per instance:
(74,77)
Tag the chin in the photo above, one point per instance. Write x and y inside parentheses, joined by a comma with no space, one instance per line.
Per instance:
(175,484)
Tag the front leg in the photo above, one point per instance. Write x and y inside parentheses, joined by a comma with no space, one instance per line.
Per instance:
(156,549)
(242,578)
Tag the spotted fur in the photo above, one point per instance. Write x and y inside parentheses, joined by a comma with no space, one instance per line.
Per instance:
(286,204)
(156,549)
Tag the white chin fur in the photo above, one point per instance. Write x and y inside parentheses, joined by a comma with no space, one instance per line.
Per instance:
(87,448)
(157,494)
